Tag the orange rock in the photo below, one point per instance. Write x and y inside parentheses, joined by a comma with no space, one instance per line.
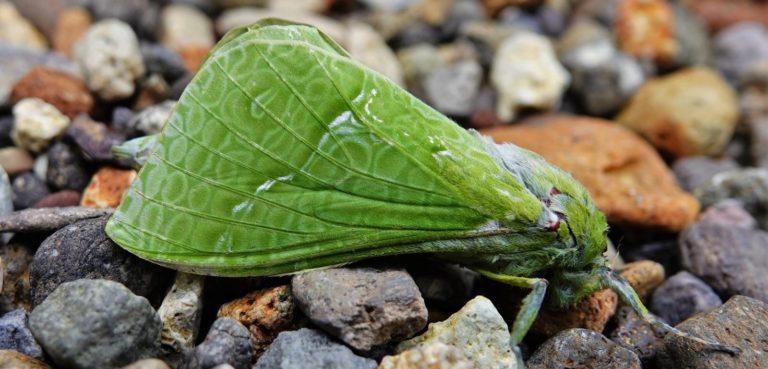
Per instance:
(645,29)
(15,359)
(193,57)
(644,276)
(67,93)
(493,7)
(689,112)
(718,14)
(592,312)
(70,27)
(107,187)
(625,176)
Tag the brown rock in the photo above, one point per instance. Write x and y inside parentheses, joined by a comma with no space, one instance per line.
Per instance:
(719,14)
(11,359)
(67,93)
(70,27)
(193,56)
(637,335)
(592,313)
(16,291)
(15,160)
(493,7)
(689,112)
(107,187)
(625,176)
(265,313)
(645,29)
(59,199)
(644,276)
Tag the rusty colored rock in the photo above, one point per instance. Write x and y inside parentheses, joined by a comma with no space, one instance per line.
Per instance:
(70,27)
(644,276)
(592,313)
(67,93)
(265,313)
(193,56)
(15,160)
(646,30)
(107,187)
(719,14)
(625,176)
(689,112)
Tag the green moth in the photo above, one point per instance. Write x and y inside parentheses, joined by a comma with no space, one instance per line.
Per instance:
(284,155)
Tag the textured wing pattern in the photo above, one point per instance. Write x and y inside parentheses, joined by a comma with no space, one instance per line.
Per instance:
(283,154)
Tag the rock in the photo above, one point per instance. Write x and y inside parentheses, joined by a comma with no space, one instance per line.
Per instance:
(6,126)
(27,189)
(6,194)
(107,187)
(65,92)
(492,7)
(82,250)
(364,307)
(627,179)
(47,219)
(417,61)
(719,14)
(434,355)
(226,343)
(692,38)
(162,61)
(452,89)
(148,364)
(152,90)
(477,329)
(193,57)
(180,313)
(110,72)
(37,123)
(688,112)
(729,259)
(637,335)
(15,335)
(683,296)
(443,286)
(40,167)
(128,11)
(527,74)
(152,119)
(184,26)
(95,323)
(15,62)
(367,46)
(15,360)
(645,29)
(71,26)
(15,160)
(739,47)
(94,139)
(16,257)
(693,172)
(758,132)
(741,322)
(581,348)
(592,312)
(66,169)
(265,313)
(748,186)
(65,198)
(728,213)
(17,31)
(308,348)
(644,276)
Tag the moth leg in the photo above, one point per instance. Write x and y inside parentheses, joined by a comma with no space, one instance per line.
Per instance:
(630,297)
(531,303)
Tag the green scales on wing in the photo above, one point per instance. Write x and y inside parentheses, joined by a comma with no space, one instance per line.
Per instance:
(283,155)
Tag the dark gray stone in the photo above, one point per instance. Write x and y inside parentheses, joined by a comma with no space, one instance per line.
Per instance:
(452,88)
(308,348)
(82,250)
(6,126)
(582,348)
(66,168)
(95,323)
(445,286)
(93,139)
(364,307)
(741,322)
(48,219)
(692,38)
(748,186)
(636,335)
(160,60)
(682,296)
(731,260)
(693,172)
(27,189)
(227,342)
(738,47)
(15,334)
(128,11)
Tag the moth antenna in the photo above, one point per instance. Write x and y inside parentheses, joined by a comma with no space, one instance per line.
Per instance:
(627,294)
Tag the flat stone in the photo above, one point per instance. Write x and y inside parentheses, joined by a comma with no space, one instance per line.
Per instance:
(309,348)
(434,355)
(581,348)
(364,307)
(682,296)
(95,323)
(47,219)
(180,313)
(227,342)
(15,334)
(64,91)
(67,169)
(107,187)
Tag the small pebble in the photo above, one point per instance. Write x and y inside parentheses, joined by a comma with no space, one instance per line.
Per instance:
(6,194)
(16,257)
(107,187)
(12,359)
(739,47)
(128,11)
(227,342)
(592,312)
(15,160)
(581,348)
(637,335)
(47,219)
(152,119)
(644,276)
(645,29)
(95,323)
(15,334)
(749,186)
(161,61)
(433,355)
(94,139)
(682,296)
(693,172)
(452,89)
(66,168)
(65,198)
(28,189)
(729,213)
(15,62)
(184,26)
(64,91)
(148,364)
(180,313)
(37,124)
(309,348)
(71,25)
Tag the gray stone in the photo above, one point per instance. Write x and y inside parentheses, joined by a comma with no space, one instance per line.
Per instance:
(15,334)
(478,330)
(159,60)
(48,219)
(180,312)
(15,62)
(692,38)
(82,250)
(741,322)
(308,348)
(636,335)
(748,186)
(148,364)
(446,286)
(731,260)
(95,323)
(152,119)
(66,168)
(27,189)
(128,11)
(682,296)
(6,196)
(434,355)
(728,213)
(364,307)
(94,139)
(693,172)
(738,47)
(452,89)
(227,342)
(582,348)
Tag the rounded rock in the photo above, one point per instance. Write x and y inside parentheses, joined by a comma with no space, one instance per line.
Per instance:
(683,296)
(16,30)
(184,26)
(308,348)
(581,348)
(107,187)
(739,47)
(693,172)
(227,342)
(15,360)
(28,189)
(66,168)
(434,355)
(64,91)
(15,334)
(37,124)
